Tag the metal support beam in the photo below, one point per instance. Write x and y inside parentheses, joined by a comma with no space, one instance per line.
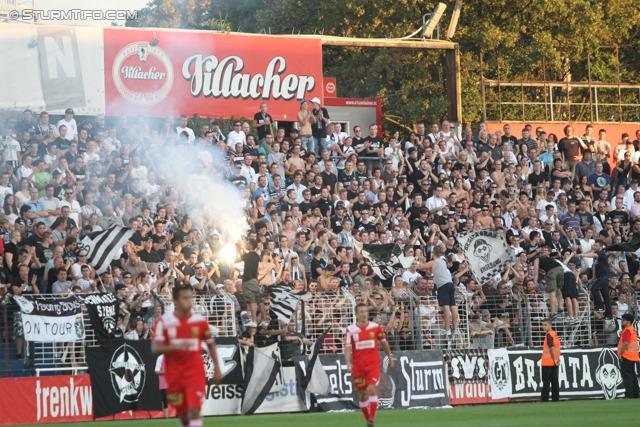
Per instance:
(454,91)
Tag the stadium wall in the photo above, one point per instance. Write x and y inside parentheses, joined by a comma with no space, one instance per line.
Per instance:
(471,376)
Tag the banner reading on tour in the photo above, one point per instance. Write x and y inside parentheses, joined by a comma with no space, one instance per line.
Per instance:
(51,319)
(192,72)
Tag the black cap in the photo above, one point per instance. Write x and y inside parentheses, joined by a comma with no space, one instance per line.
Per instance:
(214,123)
(294,130)
(69,111)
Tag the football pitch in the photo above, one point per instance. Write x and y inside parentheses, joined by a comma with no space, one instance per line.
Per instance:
(560,414)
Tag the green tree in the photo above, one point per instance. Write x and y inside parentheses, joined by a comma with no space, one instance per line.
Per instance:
(521,34)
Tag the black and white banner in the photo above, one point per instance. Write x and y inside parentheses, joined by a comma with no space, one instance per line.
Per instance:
(51,319)
(228,360)
(101,246)
(386,260)
(416,381)
(262,368)
(103,311)
(123,378)
(487,252)
(284,301)
(592,373)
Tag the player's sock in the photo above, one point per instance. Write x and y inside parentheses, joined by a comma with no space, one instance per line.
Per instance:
(373,406)
(195,423)
(364,406)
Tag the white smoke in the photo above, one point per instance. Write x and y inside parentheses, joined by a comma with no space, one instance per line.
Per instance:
(205,194)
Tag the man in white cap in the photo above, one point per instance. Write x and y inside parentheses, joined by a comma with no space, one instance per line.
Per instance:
(70,123)
(319,129)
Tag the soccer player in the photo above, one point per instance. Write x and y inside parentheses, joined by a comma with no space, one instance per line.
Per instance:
(362,342)
(179,337)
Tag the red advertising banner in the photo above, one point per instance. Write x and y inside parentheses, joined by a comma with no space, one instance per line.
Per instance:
(160,73)
(54,399)
(330,87)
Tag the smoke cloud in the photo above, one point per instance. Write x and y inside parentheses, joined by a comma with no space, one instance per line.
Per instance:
(204,191)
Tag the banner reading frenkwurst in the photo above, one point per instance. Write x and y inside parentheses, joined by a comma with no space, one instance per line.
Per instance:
(51,319)
(487,252)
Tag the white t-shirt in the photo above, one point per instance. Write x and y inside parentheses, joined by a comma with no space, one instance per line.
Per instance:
(24,172)
(72,128)
(410,277)
(12,149)
(235,137)
(140,173)
(192,136)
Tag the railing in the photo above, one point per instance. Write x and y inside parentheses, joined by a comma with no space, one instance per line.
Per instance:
(430,324)
(53,358)
(323,311)
(571,334)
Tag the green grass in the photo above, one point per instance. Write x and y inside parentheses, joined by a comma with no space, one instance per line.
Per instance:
(562,414)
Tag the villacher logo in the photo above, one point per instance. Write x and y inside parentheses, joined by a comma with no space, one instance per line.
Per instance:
(143,74)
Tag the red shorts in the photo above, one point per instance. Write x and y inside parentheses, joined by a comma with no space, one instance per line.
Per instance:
(363,376)
(185,393)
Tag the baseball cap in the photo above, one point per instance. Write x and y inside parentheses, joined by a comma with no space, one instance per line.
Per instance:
(484,312)
(569,229)
(214,123)
(302,101)
(69,111)
(294,130)
(316,100)
(219,286)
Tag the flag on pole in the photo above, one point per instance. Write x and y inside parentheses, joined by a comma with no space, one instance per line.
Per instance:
(284,301)
(101,246)
(316,380)
(386,260)
(260,373)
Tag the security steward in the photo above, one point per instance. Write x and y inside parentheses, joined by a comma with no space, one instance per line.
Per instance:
(628,355)
(550,363)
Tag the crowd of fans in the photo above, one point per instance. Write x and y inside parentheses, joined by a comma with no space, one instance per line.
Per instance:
(313,197)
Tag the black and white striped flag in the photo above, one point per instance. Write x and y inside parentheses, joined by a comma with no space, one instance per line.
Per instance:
(101,246)
(284,300)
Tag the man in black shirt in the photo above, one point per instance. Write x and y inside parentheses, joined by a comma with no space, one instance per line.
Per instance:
(570,148)
(262,122)
(148,254)
(250,285)
(26,124)
(319,128)
(374,143)
(599,290)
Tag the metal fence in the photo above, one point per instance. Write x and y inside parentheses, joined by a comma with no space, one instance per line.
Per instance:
(571,333)
(69,357)
(429,322)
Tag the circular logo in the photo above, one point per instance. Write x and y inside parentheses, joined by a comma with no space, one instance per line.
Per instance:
(109,324)
(79,326)
(128,374)
(143,74)
(330,87)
